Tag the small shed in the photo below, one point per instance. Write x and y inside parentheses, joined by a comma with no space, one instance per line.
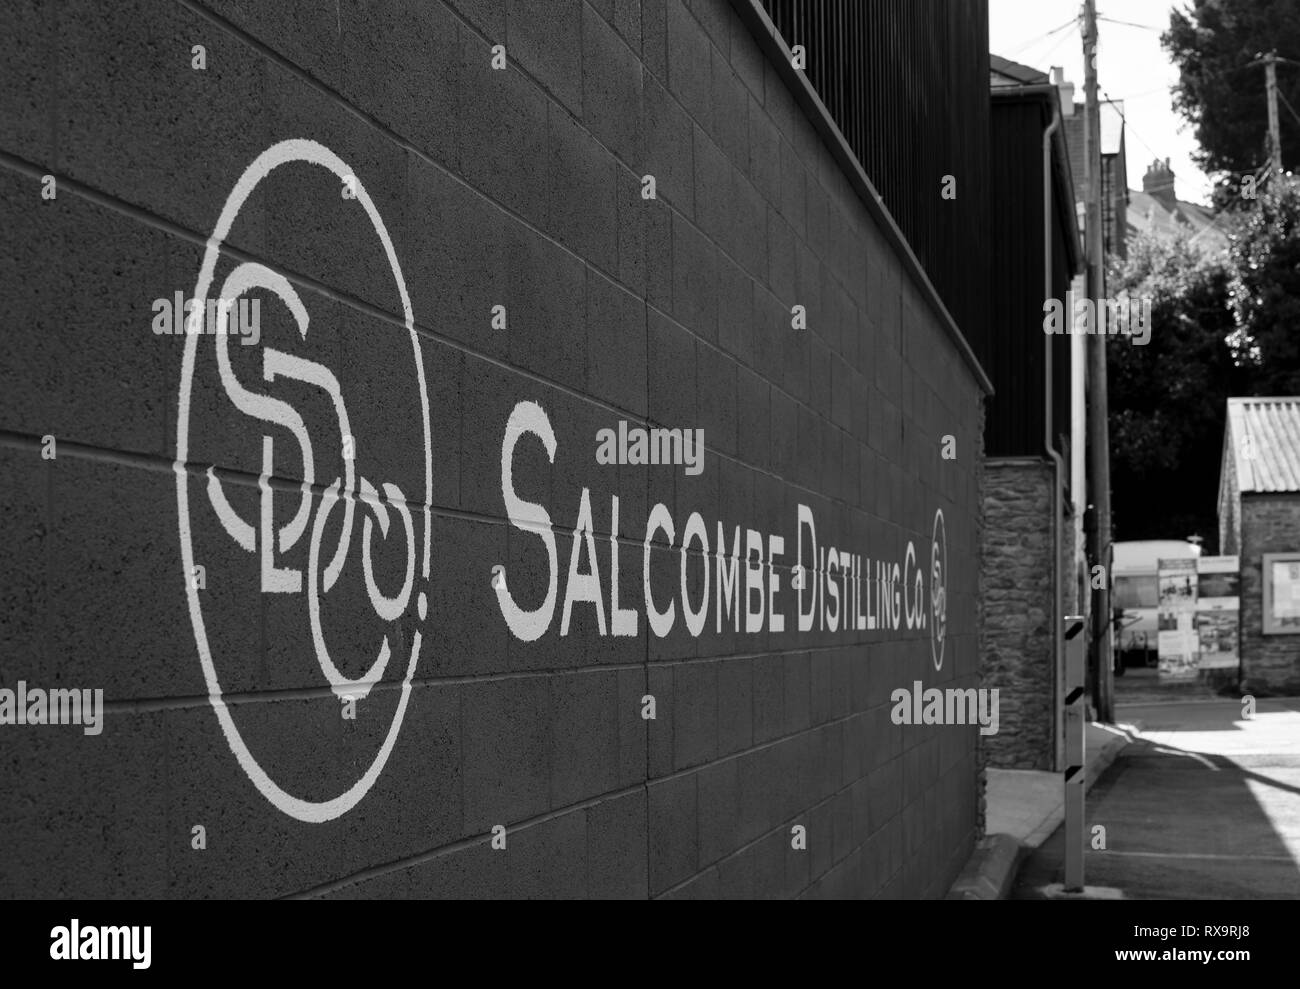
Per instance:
(1259,520)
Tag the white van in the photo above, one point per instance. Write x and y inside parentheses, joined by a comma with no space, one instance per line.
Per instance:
(1134,596)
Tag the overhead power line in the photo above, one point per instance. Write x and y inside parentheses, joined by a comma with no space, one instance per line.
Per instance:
(1287,103)
(1129,128)
(1052,51)
(1144,94)
(1144,27)
(1042,37)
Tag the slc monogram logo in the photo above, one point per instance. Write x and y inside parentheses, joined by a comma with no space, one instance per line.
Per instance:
(938,588)
(382,504)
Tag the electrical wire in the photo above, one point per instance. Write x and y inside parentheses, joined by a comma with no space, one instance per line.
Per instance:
(1042,37)
(1129,128)
(1287,104)
(1117,105)
(1144,94)
(1111,20)
(1052,51)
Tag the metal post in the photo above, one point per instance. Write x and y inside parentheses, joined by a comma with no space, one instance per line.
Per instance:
(1075,756)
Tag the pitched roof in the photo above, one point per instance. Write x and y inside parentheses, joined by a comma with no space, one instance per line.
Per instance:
(1270,459)
(1004,72)
(1146,212)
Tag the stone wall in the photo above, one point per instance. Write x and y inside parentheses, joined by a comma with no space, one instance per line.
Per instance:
(1017,633)
(1270,523)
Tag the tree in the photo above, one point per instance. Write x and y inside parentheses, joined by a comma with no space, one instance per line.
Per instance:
(1168,398)
(1265,289)
(1212,42)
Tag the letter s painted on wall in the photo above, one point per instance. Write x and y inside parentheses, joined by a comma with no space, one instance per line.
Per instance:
(528,417)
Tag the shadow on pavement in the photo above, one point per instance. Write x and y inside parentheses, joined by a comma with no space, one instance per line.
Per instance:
(1186,824)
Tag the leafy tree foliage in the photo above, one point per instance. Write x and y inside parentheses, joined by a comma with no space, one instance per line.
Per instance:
(1265,289)
(1212,42)
(1221,326)
(1168,398)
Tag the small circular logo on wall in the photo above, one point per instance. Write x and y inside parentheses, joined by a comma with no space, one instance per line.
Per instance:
(353,462)
(938,588)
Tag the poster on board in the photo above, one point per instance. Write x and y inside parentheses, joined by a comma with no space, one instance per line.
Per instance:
(1176,640)
(1218,604)
(1281,593)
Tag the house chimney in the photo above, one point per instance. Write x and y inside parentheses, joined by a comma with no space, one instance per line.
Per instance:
(1064,89)
(1158,182)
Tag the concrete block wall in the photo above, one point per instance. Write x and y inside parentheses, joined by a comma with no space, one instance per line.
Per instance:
(518,187)
(1270,664)
(1018,570)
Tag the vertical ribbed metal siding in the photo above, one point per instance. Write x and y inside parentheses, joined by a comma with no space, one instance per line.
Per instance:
(907,83)
(1013,424)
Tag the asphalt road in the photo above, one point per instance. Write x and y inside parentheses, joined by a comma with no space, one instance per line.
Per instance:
(1203,805)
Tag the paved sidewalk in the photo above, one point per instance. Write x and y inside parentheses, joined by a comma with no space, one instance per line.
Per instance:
(1024,807)
(1203,805)
(1029,805)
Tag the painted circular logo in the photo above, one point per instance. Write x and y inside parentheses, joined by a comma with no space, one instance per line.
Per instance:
(938,589)
(342,468)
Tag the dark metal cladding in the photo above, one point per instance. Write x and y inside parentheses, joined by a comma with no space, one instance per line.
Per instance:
(907,83)
(1014,358)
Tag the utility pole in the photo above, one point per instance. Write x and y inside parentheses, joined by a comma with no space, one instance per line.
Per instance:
(1098,405)
(1269,61)
(1274,134)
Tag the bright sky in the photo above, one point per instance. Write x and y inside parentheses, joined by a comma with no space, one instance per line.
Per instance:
(1131,66)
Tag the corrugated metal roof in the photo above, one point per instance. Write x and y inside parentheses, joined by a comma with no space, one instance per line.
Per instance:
(1265,438)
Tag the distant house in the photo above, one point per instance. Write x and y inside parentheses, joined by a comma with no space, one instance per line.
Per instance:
(1114,172)
(1157,209)
(1259,520)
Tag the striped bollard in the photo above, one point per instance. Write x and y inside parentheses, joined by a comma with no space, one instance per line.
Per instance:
(1075,707)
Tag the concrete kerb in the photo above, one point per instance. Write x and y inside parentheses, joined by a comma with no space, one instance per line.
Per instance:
(1024,807)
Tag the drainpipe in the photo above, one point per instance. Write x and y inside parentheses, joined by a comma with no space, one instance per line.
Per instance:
(1058,465)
